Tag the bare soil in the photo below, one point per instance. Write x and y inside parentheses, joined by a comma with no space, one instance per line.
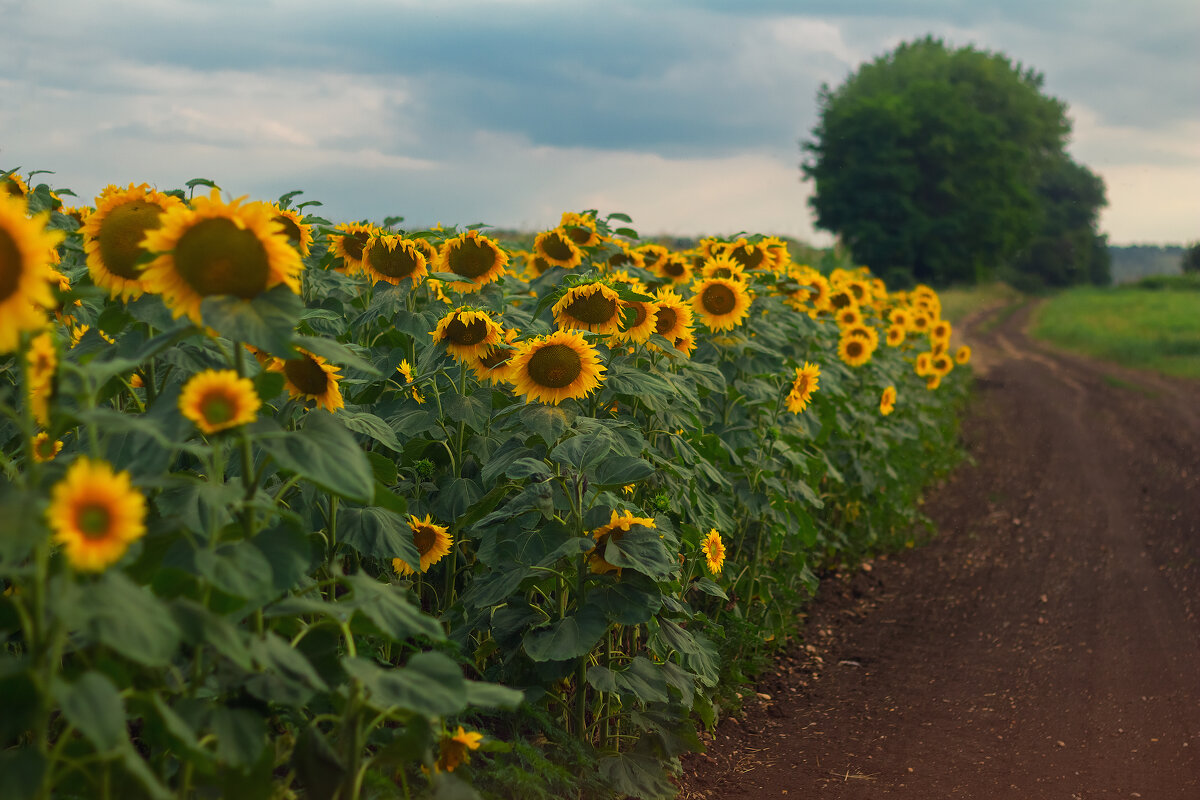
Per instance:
(1045,645)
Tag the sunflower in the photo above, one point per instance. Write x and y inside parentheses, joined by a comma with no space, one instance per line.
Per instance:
(392,258)
(14,186)
(721,303)
(112,236)
(477,258)
(899,316)
(813,290)
(803,386)
(27,250)
(349,244)
(854,351)
(624,257)
(963,354)
(714,551)
(592,306)
(95,513)
(674,267)
(842,298)
(685,342)
(78,213)
(217,248)
(750,256)
(861,291)
(618,525)
(849,316)
(557,367)
(922,364)
(405,370)
(557,249)
(45,448)
(652,256)
(467,333)
(217,400)
(895,335)
(455,749)
(920,322)
(887,402)
(642,322)
(580,228)
(432,541)
(292,221)
(932,382)
(42,357)
(941,364)
(493,366)
(864,332)
(940,331)
(722,266)
(673,317)
(310,377)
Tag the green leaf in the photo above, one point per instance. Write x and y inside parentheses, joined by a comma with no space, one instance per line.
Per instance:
(22,771)
(430,684)
(379,533)
(583,451)
(205,628)
(388,607)
(130,620)
(641,549)
(318,768)
(290,554)
(336,353)
(385,470)
(568,638)
(373,426)
(20,701)
(241,735)
(493,695)
(239,569)
(475,409)
(93,705)
(637,775)
(548,422)
(632,600)
(266,321)
(324,452)
(621,470)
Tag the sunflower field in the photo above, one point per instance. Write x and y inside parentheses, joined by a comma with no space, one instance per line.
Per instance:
(296,509)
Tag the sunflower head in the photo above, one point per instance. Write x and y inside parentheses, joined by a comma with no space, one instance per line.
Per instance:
(854,351)
(673,317)
(557,249)
(557,367)
(45,448)
(27,252)
(723,266)
(493,366)
(391,258)
(467,332)
(593,306)
(750,256)
(652,256)
(580,228)
(895,335)
(310,377)
(721,303)
(294,228)
(887,401)
(941,364)
(349,242)
(963,354)
(95,513)
(624,257)
(804,385)
(405,370)
(848,317)
(933,381)
(714,551)
(456,748)
(640,322)
(479,259)
(217,400)
(112,236)
(433,541)
(675,268)
(13,185)
(619,524)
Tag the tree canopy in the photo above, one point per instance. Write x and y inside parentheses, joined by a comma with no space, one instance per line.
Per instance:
(948,165)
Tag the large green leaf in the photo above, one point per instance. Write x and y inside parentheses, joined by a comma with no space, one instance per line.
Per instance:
(266,321)
(373,426)
(93,705)
(336,353)
(631,600)
(430,684)
(641,549)
(129,619)
(388,607)
(637,775)
(327,454)
(621,470)
(378,532)
(568,638)
(241,735)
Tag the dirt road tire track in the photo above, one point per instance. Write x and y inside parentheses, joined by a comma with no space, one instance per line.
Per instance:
(1046,645)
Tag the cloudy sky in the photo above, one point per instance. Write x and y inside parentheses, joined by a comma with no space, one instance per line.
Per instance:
(686,115)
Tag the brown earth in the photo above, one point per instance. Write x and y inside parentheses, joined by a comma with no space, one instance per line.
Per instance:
(1045,645)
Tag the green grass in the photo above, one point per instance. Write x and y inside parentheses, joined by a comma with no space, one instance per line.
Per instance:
(1155,330)
(960,302)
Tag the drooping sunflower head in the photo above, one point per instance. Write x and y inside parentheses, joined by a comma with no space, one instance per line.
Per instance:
(804,385)
(854,351)
(112,236)
(392,258)
(619,524)
(557,367)
(433,541)
(95,513)
(493,366)
(479,259)
(467,332)
(217,400)
(217,248)
(721,303)
(557,249)
(887,401)
(580,228)
(593,306)
(405,370)
(27,251)
(455,749)
(639,323)
(895,335)
(348,244)
(624,257)
(298,233)
(750,255)
(310,377)
(714,552)
(963,354)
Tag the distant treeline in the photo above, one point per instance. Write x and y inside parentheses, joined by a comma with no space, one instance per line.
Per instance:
(1134,262)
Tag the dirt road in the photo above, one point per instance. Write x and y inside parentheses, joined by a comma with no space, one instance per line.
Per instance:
(1046,645)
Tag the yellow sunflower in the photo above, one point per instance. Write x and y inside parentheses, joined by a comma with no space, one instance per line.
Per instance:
(392,258)
(854,351)
(349,244)
(624,257)
(618,525)
(673,317)
(941,364)
(642,322)
(217,400)
(405,370)
(778,258)
(652,256)
(895,335)
(112,236)
(27,250)
(467,333)
(433,542)
(932,382)
(750,256)
(455,749)
(813,290)
(899,316)
(298,233)
(45,448)
(593,306)
(311,377)
(580,228)
(43,361)
(963,354)
(920,322)
(887,402)
(848,317)
(861,291)
(217,248)
(14,186)
(841,298)
(803,386)
(714,551)
(940,331)
(721,303)
(479,259)
(557,249)
(675,267)
(922,364)
(557,367)
(95,514)
(493,366)
(864,332)
(722,266)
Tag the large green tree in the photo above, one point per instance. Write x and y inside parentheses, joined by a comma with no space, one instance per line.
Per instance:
(928,160)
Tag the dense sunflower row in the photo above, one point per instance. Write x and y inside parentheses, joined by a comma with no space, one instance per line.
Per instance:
(606,467)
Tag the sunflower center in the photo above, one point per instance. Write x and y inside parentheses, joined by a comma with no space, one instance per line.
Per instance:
(673,268)
(425,538)
(594,308)
(471,259)
(121,235)
(472,332)
(45,448)
(621,259)
(718,299)
(854,348)
(217,408)
(540,264)
(10,265)
(802,385)
(556,247)
(290,228)
(840,300)
(748,257)
(353,244)
(666,320)
(93,520)
(398,263)
(13,188)
(639,314)
(555,366)
(306,375)
(496,357)
(215,256)
(579,234)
